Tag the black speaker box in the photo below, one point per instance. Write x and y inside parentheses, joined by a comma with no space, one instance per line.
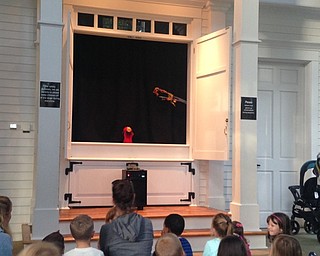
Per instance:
(139,181)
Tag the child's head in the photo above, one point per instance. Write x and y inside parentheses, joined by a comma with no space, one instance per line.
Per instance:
(173,223)
(57,239)
(111,214)
(5,213)
(81,227)
(232,245)
(238,228)
(168,245)
(221,225)
(285,245)
(42,248)
(278,223)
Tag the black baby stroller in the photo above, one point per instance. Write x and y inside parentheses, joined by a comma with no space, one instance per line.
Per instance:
(306,203)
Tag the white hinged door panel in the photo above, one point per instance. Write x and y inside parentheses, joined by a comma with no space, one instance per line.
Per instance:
(68,52)
(167,183)
(211,100)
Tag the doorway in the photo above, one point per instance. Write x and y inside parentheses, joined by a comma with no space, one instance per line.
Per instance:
(280,133)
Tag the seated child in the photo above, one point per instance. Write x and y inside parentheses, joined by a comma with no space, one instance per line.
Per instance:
(221,226)
(168,245)
(285,245)
(238,230)
(57,239)
(174,223)
(232,245)
(6,244)
(81,228)
(278,223)
(111,214)
(42,248)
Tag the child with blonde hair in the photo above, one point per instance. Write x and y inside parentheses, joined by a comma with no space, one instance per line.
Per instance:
(111,214)
(285,245)
(42,248)
(168,245)
(221,227)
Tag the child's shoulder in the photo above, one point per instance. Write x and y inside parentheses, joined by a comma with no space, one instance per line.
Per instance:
(183,239)
(215,240)
(91,250)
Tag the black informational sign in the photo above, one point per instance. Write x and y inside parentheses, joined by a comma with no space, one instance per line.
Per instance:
(249,108)
(49,94)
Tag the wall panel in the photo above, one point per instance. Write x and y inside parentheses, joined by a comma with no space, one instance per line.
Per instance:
(17,105)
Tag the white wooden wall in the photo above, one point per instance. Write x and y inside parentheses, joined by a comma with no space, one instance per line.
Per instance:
(17,106)
(294,34)
(296,29)
(18,93)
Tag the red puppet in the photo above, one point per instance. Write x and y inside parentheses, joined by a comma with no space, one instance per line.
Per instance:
(127,134)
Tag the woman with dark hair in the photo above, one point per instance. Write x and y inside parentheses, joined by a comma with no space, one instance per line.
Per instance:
(232,245)
(5,234)
(278,223)
(126,233)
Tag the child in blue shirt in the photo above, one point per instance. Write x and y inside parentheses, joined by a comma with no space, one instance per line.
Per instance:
(174,223)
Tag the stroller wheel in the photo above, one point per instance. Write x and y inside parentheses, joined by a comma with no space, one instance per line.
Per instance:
(295,227)
(309,227)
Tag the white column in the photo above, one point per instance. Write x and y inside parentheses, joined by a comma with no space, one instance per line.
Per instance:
(46,187)
(244,205)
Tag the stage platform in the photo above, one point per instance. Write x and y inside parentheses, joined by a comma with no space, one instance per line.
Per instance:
(99,213)
(198,219)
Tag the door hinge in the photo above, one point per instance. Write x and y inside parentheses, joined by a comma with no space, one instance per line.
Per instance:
(70,168)
(191,195)
(68,197)
(192,170)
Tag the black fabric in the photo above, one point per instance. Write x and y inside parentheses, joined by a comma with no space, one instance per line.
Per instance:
(113,86)
(310,188)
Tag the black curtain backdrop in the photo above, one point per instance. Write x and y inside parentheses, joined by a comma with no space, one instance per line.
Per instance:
(113,86)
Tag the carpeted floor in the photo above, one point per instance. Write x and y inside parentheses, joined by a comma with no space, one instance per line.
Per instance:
(309,242)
